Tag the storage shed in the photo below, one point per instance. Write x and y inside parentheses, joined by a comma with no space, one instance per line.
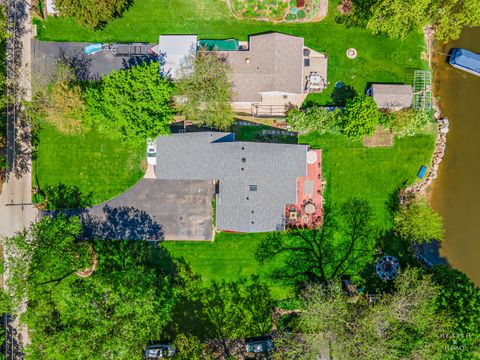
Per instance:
(392,96)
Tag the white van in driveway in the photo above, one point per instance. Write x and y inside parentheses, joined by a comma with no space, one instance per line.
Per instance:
(151,152)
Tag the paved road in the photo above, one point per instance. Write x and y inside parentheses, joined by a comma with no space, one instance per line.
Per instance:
(154,210)
(16,211)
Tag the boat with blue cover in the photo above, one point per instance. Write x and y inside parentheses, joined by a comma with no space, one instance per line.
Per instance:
(465,60)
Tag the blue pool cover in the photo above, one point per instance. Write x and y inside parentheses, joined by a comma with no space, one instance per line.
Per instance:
(422,172)
(92,48)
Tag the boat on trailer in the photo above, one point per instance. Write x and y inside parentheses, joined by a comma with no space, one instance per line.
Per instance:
(465,60)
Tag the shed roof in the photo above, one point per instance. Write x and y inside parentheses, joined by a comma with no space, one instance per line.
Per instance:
(175,48)
(273,62)
(392,95)
(239,166)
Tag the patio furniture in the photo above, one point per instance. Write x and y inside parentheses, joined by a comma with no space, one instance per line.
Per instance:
(293,215)
(387,267)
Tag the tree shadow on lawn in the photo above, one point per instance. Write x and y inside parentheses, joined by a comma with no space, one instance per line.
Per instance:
(390,244)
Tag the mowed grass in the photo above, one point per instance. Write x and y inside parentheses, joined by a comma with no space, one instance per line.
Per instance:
(230,257)
(91,161)
(379,59)
(352,170)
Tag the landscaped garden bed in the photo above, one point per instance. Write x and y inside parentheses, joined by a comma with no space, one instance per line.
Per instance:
(279,10)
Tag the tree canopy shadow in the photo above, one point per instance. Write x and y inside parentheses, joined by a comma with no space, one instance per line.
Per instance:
(121,223)
(79,62)
(341,95)
(132,61)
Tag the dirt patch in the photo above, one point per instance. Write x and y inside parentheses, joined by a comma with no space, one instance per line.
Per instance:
(381,138)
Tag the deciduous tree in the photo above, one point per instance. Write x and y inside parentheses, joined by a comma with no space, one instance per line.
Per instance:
(401,325)
(397,18)
(449,17)
(459,297)
(361,117)
(205,90)
(111,314)
(235,310)
(418,222)
(61,103)
(343,243)
(132,104)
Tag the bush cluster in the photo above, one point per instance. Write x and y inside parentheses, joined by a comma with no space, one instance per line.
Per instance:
(128,105)
(92,13)
(359,117)
(406,122)
(314,119)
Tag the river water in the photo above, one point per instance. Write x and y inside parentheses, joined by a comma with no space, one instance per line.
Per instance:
(456,192)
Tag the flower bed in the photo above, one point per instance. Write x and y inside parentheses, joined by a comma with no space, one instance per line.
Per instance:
(276,10)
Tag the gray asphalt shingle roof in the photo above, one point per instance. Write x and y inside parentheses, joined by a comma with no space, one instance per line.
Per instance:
(392,95)
(273,168)
(273,62)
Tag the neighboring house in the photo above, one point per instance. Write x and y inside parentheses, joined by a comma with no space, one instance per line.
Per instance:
(173,50)
(270,72)
(392,96)
(254,181)
(273,72)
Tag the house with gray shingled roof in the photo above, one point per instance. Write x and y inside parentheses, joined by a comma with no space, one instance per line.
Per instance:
(254,180)
(274,71)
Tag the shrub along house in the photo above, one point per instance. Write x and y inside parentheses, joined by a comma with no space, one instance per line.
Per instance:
(259,186)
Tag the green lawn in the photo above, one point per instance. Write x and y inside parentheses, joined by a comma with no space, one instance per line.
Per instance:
(352,170)
(229,257)
(379,59)
(90,161)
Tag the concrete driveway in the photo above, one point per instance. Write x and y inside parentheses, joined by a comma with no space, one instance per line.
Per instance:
(156,209)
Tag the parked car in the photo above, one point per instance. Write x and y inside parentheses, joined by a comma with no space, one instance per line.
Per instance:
(151,152)
(260,344)
(159,351)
